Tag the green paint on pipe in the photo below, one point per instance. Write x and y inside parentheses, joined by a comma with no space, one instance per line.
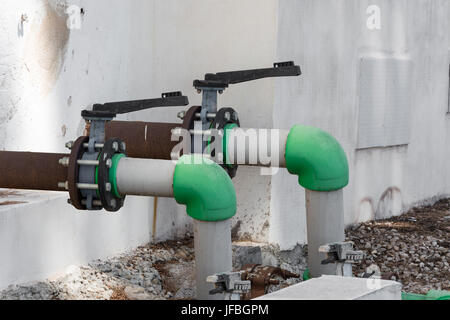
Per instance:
(205,188)
(317,159)
(227,131)
(113,174)
(433,295)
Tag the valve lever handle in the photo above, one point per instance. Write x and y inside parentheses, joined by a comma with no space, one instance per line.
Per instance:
(170,99)
(280,69)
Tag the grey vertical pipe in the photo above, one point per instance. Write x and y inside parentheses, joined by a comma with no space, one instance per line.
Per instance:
(213,254)
(325,224)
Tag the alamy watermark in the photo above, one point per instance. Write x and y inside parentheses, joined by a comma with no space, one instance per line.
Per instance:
(253,147)
(374,17)
(74,19)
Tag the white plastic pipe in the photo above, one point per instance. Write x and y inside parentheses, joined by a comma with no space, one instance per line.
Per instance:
(257,147)
(145,177)
(213,254)
(325,224)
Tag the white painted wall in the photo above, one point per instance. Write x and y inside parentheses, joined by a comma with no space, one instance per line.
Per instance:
(124,50)
(328,38)
(139,49)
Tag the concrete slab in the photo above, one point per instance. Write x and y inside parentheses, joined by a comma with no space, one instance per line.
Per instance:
(339,288)
(41,235)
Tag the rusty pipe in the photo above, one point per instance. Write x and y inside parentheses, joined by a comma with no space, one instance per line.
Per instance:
(144,140)
(31,171)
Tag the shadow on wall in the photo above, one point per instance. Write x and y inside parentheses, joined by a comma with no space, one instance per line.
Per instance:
(389,205)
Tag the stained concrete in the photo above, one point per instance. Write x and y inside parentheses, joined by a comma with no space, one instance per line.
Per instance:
(339,288)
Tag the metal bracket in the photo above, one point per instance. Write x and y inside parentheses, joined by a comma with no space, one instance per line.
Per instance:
(230,284)
(343,255)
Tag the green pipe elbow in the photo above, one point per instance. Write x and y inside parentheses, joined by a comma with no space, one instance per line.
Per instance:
(317,159)
(205,188)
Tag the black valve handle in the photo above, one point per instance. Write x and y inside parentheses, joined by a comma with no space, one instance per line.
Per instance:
(111,109)
(223,79)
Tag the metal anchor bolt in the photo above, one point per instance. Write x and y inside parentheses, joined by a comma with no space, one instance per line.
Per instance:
(69,145)
(181,115)
(64,161)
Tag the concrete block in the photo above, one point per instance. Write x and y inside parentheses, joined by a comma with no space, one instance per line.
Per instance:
(41,235)
(339,288)
(246,253)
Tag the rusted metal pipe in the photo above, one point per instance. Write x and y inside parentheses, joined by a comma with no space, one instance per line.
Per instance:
(31,171)
(145,140)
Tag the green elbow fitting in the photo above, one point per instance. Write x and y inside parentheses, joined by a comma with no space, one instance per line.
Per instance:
(317,159)
(205,188)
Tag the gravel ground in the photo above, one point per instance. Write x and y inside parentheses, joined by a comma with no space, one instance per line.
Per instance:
(132,276)
(412,249)
(163,271)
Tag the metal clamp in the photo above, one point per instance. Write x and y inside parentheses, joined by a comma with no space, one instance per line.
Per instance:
(343,255)
(230,284)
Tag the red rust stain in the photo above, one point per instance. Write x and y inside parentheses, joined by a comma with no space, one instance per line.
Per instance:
(11,203)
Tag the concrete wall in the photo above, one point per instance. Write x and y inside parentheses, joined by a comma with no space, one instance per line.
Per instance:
(139,49)
(328,38)
(122,50)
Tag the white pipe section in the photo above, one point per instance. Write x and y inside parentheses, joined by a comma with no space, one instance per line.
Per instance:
(145,177)
(212,241)
(257,147)
(325,224)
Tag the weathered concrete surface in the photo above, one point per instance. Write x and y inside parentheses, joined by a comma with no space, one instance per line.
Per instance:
(339,288)
(133,50)
(41,235)
(328,39)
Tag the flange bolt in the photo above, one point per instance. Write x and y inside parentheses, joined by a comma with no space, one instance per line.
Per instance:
(63,185)
(69,145)
(181,115)
(64,161)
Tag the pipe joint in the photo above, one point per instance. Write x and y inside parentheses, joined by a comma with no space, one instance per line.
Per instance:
(205,188)
(317,159)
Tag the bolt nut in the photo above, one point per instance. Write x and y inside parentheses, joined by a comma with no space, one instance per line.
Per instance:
(199,91)
(64,161)
(108,187)
(115,146)
(124,146)
(69,145)
(109,163)
(227,116)
(63,185)
(235,116)
(181,115)
(113,203)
